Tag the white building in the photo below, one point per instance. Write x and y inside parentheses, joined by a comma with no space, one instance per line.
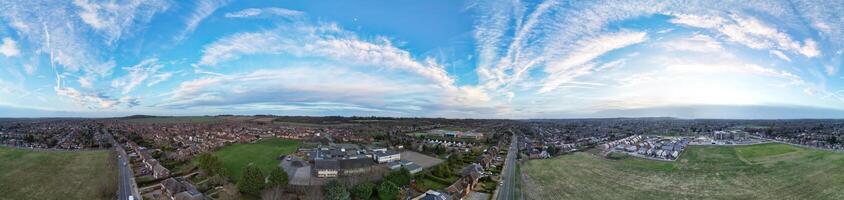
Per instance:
(386,156)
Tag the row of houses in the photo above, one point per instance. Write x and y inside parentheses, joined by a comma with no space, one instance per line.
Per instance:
(180,189)
(633,139)
(469,179)
(655,147)
(149,163)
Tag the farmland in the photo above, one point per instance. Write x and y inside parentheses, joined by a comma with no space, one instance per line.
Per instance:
(27,174)
(263,153)
(765,171)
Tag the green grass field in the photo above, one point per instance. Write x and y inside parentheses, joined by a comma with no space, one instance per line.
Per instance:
(26,174)
(263,153)
(765,171)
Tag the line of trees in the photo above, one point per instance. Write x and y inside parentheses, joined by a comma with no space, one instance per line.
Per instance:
(388,189)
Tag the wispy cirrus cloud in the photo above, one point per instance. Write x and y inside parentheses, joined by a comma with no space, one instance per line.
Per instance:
(202,9)
(114,19)
(751,32)
(265,13)
(331,44)
(526,48)
(577,62)
(297,85)
(78,38)
(327,41)
(95,100)
(146,71)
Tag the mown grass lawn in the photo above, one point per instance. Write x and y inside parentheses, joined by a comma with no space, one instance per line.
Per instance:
(765,171)
(263,153)
(27,174)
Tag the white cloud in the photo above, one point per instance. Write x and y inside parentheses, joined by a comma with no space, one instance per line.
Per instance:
(158,78)
(94,101)
(611,65)
(9,47)
(696,43)
(30,68)
(327,41)
(139,73)
(780,55)
(576,64)
(823,16)
(750,32)
(86,82)
(265,12)
(699,21)
(333,45)
(203,9)
(77,37)
(296,85)
(114,19)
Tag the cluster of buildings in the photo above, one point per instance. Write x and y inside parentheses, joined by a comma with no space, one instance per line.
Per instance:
(457,134)
(813,140)
(189,139)
(177,189)
(732,137)
(350,160)
(539,148)
(52,134)
(149,165)
(449,145)
(468,180)
(652,147)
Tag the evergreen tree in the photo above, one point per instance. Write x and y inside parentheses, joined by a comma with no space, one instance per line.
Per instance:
(277,178)
(401,177)
(252,180)
(387,191)
(363,190)
(335,191)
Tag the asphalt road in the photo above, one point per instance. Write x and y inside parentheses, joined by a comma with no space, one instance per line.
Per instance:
(125,186)
(509,176)
(124,191)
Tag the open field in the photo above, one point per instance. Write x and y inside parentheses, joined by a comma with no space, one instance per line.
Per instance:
(764,171)
(27,174)
(263,153)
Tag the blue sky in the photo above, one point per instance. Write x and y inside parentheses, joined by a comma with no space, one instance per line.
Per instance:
(477,59)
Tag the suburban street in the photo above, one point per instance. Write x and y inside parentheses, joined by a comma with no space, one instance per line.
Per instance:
(508,174)
(124,191)
(125,181)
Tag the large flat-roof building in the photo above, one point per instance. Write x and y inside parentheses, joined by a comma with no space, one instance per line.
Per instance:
(386,156)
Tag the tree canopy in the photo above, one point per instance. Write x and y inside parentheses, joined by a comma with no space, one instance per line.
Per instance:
(363,190)
(387,190)
(210,164)
(401,177)
(335,191)
(252,180)
(278,178)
